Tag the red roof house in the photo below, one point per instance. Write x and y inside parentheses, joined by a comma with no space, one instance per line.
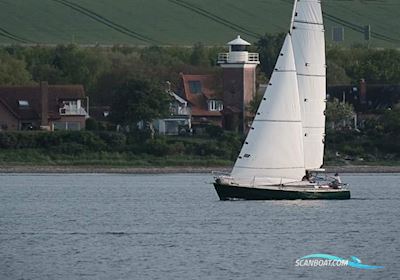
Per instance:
(46,107)
(204,100)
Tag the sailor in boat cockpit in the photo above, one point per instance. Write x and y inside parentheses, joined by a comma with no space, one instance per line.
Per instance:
(336,183)
(308,177)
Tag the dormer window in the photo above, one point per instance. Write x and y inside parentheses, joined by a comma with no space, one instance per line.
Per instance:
(23,103)
(215,105)
(195,87)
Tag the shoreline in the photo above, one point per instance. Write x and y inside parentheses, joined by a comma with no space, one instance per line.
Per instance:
(173,169)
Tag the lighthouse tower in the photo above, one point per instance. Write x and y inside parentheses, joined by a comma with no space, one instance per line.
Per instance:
(239,83)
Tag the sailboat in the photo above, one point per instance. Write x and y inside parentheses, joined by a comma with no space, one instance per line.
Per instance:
(285,143)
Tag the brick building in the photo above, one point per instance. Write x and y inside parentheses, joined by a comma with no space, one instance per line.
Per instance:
(43,107)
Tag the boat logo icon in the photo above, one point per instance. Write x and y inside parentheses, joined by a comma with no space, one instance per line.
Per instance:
(318,260)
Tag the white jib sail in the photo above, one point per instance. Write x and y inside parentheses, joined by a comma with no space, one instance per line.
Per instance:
(309,52)
(274,144)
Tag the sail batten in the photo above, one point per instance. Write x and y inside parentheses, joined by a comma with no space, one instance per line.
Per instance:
(270,168)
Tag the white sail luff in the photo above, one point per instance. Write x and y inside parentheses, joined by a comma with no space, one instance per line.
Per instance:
(309,50)
(274,146)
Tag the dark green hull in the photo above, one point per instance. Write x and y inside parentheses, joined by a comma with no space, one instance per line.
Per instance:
(245,193)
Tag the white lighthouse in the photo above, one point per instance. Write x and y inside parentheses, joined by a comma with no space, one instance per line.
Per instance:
(239,83)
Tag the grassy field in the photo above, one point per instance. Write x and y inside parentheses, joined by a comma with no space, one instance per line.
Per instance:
(183,22)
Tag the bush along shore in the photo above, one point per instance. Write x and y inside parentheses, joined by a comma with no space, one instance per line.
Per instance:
(138,152)
(114,149)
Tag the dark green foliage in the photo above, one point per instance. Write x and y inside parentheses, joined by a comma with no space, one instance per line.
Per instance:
(113,140)
(378,140)
(47,140)
(13,71)
(8,140)
(268,47)
(375,66)
(214,132)
(255,102)
(337,112)
(91,125)
(69,149)
(391,121)
(138,100)
(199,55)
(157,147)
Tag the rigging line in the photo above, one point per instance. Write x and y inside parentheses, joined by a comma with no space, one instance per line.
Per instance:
(270,168)
(308,22)
(311,75)
(215,18)
(101,20)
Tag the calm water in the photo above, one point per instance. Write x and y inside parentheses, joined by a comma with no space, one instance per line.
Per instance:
(174,227)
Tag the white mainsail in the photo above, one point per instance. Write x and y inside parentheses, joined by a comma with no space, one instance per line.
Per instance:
(309,52)
(274,144)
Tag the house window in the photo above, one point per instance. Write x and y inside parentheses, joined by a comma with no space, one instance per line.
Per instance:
(23,103)
(195,86)
(215,105)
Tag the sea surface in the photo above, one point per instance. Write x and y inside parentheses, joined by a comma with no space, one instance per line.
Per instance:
(102,226)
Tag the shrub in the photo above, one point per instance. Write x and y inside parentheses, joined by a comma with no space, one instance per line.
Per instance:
(92,125)
(7,140)
(157,147)
(68,149)
(113,140)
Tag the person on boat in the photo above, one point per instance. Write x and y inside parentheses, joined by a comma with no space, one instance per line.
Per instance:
(306,177)
(336,183)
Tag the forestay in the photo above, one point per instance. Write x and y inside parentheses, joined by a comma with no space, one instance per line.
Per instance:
(274,146)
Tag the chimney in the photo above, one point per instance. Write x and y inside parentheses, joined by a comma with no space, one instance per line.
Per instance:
(44,93)
(363,91)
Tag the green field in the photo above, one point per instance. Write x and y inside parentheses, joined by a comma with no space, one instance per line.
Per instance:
(183,22)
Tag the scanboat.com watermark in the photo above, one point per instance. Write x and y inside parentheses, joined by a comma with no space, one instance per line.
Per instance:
(324,260)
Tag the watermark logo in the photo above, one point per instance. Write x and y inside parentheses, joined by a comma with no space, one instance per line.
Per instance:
(320,260)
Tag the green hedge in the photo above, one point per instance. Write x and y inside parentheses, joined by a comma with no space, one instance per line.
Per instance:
(224,145)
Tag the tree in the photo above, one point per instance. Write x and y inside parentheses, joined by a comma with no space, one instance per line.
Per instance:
(255,102)
(199,55)
(391,121)
(336,74)
(268,47)
(80,66)
(12,71)
(337,112)
(138,100)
